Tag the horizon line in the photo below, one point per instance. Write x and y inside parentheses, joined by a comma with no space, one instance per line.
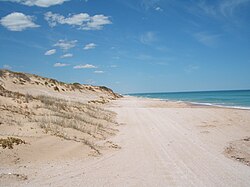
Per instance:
(226,90)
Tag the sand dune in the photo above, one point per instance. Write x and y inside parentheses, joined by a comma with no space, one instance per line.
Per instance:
(35,85)
(40,124)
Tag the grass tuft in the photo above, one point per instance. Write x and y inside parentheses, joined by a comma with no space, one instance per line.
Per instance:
(9,142)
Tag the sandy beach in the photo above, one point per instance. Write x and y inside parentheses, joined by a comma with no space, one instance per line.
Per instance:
(162,144)
(145,93)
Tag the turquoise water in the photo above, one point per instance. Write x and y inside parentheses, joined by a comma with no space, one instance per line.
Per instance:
(234,98)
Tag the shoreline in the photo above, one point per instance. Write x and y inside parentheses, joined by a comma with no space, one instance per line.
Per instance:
(193,103)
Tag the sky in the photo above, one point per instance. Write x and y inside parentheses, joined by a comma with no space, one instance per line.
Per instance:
(131,46)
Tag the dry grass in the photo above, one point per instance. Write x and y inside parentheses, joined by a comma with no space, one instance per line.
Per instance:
(1,73)
(56,128)
(28,98)
(77,85)
(18,75)
(90,123)
(74,121)
(9,142)
(19,78)
(14,176)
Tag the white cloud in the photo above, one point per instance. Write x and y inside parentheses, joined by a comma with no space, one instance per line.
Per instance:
(67,55)
(17,21)
(159,9)
(6,66)
(50,52)
(89,46)
(149,4)
(77,19)
(40,3)
(205,8)
(148,37)
(60,64)
(207,39)
(86,66)
(227,8)
(97,22)
(82,20)
(65,44)
(98,72)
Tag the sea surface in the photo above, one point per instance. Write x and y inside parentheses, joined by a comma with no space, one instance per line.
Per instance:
(232,98)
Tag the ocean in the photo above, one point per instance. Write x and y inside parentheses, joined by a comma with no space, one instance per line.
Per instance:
(232,98)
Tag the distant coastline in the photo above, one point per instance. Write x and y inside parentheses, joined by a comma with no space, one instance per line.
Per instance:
(239,99)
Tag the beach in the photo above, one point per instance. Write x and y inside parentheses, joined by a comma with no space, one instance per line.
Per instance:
(161,144)
(146,93)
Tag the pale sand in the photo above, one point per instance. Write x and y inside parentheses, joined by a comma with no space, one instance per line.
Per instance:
(46,123)
(163,144)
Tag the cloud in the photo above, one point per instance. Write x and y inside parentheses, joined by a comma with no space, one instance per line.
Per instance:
(67,55)
(86,66)
(97,22)
(50,52)
(204,8)
(227,8)
(65,44)
(207,39)
(98,72)
(17,21)
(148,37)
(6,66)
(77,19)
(148,4)
(224,8)
(82,20)
(159,9)
(40,3)
(89,46)
(60,64)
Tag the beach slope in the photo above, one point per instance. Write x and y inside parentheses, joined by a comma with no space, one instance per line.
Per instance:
(165,144)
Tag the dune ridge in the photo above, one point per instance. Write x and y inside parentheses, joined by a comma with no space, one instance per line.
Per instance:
(43,120)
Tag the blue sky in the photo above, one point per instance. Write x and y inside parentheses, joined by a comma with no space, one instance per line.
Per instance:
(130,46)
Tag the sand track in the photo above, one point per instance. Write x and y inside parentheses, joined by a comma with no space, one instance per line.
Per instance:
(161,146)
